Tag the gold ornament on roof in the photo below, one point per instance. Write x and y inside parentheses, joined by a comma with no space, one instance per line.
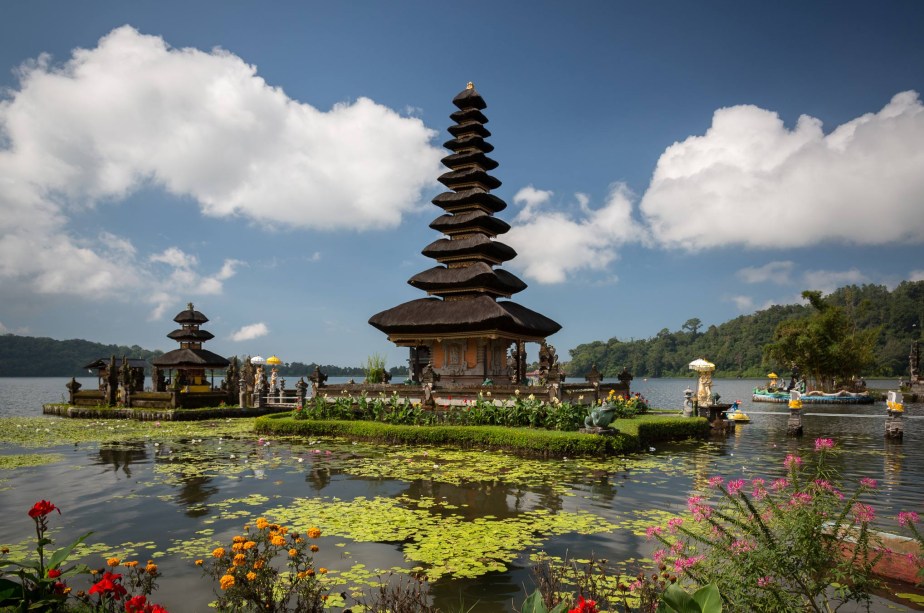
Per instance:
(470,85)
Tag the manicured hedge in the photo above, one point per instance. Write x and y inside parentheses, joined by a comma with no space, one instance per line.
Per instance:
(632,436)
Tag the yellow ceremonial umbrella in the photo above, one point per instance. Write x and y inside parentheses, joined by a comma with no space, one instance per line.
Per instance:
(273,360)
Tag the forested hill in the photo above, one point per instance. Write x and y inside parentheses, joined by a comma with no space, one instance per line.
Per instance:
(737,346)
(29,356)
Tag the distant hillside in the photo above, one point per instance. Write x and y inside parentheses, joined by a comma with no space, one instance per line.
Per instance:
(29,356)
(736,347)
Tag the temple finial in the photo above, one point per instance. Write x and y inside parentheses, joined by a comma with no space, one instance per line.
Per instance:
(470,85)
(189,305)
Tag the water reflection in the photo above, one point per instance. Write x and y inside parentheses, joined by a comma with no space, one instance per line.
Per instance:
(121,457)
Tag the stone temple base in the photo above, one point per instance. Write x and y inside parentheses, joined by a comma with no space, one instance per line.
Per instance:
(597,430)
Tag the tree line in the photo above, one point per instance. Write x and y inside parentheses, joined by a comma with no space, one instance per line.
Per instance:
(887,321)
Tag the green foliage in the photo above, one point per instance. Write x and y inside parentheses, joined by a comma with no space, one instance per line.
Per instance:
(826,345)
(704,600)
(736,346)
(28,356)
(375,368)
(535,604)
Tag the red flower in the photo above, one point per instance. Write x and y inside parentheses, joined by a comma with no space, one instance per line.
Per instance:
(108,585)
(54,573)
(584,606)
(42,508)
(139,604)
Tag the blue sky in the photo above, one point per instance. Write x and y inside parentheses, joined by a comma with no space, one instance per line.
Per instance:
(661,161)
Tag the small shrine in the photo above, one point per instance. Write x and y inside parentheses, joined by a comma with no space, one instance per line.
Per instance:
(189,366)
(461,333)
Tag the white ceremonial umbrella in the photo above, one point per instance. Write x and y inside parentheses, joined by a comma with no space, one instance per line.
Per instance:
(701,365)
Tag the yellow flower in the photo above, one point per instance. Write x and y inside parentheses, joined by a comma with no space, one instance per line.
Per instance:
(131,564)
(314,533)
(301,574)
(314,548)
(530,397)
(251,576)
(67,591)
(293,552)
(151,567)
(282,529)
(259,564)
(278,541)
(249,545)
(239,559)
(226,582)
(199,562)
(113,561)
(310,572)
(517,392)
(219,552)
(238,539)
(262,524)
(488,394)
(237,546)
(322,570)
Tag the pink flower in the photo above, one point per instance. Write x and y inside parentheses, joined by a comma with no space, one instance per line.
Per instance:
(779,484)
(674,523)
(870,483)
(792,461)
(739,547)
(735,486)
(652,531)
(907,518)
(863,513)
(658,555)
(823,443)
(800,499)
(764,581)
(715,481)
(684,563)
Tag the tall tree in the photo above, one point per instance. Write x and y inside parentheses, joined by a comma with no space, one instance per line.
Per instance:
(826,345)
(692,325)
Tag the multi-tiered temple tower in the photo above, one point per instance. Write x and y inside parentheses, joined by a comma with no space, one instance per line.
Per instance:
(190,362)
(463,330)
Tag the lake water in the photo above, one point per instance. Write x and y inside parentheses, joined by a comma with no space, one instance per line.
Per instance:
(177,496)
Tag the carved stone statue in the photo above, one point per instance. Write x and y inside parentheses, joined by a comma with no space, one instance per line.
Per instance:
(274,379)
(428,375)
(258,376)
(593,377)
(600,417)
(317,377)
(73,386)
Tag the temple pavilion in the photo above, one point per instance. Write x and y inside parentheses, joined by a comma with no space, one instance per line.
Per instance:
(190,363)
(464,328)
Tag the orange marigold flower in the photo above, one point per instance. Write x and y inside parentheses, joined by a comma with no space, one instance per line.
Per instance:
(262,524)
(218,552)
(293,552)
(250,545)
(226,581)
(199,562)
(301,574)
(310,572)
(238,539)
(113,561)
(314,548)
(151,567)
(251,576)
(278,541)
(259,564)
(237,546)
(322,570)
(314,533)
(131,564)
(282,529)
(239,559)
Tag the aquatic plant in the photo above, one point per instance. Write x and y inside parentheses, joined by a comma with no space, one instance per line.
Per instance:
(248,573)
(909,520)
(796,543)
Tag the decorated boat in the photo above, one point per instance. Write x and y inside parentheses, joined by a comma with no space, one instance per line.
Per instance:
(762,394)
(735,414)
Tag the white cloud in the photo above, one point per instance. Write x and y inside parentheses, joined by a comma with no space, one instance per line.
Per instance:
(772,272)
(826,281)
(554,245)
(749,180)
(250,332)
(743,303)
(133,112)
(184,280)
(916,275)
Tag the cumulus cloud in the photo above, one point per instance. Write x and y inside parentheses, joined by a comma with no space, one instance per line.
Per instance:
(184,279)
(916,275)
(750,180)
(743,303)
(556,244)
(826,281)
(772,272)
(133,112)
(250,332)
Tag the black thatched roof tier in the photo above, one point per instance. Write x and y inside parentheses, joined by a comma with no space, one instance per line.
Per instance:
(479,276)
(469,98)
(431,316)
(190,358)
(469,142)
(469,198)
(461,179)
(190,316)
(477,246)
(470,221)
(103,363)
(471,128)
(469,158)
(468,115)
(188,335)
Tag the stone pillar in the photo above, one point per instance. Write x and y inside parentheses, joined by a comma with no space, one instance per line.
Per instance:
(894,425)
(72,388)
(259,400)
(242,393)
(688,403)
(301,390)
(282,390)
(794,425)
